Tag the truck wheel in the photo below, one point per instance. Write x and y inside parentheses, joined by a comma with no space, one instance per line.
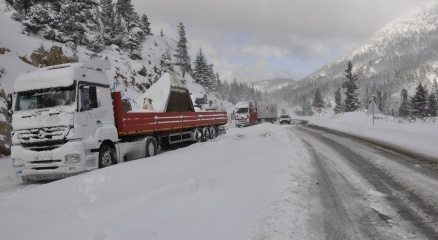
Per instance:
(213,132)
(107,156)
(151,147)
(206,133)
(199,137)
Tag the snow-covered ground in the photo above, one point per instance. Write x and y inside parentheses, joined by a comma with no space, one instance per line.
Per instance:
(420,136)
(252,183)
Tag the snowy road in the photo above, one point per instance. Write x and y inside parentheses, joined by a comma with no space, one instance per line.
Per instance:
(368,192)
(262,182)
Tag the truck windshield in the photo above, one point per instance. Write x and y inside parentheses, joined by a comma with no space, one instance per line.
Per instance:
(45,98)
(242,110)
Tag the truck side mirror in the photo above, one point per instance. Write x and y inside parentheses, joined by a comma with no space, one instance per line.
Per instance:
(93,97)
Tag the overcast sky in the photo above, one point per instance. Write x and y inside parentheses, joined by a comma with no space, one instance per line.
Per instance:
(261,39)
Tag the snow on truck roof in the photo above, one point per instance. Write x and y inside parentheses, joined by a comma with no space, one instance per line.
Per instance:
(242,105)
(63,75)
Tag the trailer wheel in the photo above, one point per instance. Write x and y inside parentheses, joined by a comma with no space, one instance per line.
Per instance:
(206,133)
(199,136)
(213,132)
(107,156)
(151,147)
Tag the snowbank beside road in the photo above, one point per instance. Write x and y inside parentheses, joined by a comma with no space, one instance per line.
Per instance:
(418,137)
(249,182)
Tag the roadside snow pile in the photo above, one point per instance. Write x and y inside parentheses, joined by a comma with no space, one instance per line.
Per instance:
(214,190)
(8,180)
(420,136)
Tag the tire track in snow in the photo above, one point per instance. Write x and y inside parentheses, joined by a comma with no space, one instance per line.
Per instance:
(338,224)
(409,205)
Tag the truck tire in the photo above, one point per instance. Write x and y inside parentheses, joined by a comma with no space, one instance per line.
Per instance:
(151,147)
(107,156)
(198,135)
(206,133)
(213,133)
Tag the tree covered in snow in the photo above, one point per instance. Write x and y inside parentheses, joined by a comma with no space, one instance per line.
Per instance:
(182,54)
(235,91)
(200,69)
(203,72)
(318,102)
(108,17)
(339,108)
(145,25)
(91,23)
(351,96)
(166,62)
(126,9)
(419,102)
(435,88)
(403,110)
(432,105)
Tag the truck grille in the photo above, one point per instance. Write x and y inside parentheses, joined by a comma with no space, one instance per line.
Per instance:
(46,161)
(42,136)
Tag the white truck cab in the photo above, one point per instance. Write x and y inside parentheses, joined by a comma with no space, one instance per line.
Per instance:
(61,115)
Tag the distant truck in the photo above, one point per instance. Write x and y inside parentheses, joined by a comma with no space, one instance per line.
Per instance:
(249,113)
(66,120)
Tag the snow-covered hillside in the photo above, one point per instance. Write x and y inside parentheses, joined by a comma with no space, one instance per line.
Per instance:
(132,77)
(400,55)
(271,85)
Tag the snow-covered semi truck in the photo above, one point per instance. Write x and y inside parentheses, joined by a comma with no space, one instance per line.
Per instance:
(249,113)
(66,120)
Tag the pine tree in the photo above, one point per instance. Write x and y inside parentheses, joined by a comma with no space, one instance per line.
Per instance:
(75,18)
(435,88)
(22,5)
(339,108)
(318,102)
(203,72)
(219,86)
(182,55)
(432,105)
(379,100)
(166,62)
(403,110)
(120,32)
(200,71)
(211,79)
(126,10)
(134,42)
(108,21)
(161,33)
(419,102)
(39,18)
(351,96)
(145,25)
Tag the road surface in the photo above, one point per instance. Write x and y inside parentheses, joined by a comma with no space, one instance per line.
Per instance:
(368,192)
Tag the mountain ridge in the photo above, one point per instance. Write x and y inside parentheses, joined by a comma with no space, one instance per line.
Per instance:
(400,55)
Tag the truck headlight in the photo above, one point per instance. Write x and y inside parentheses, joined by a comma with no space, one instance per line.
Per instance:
(17,162)
(72,158)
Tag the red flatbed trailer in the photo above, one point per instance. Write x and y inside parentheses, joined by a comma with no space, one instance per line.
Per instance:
(144,123)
